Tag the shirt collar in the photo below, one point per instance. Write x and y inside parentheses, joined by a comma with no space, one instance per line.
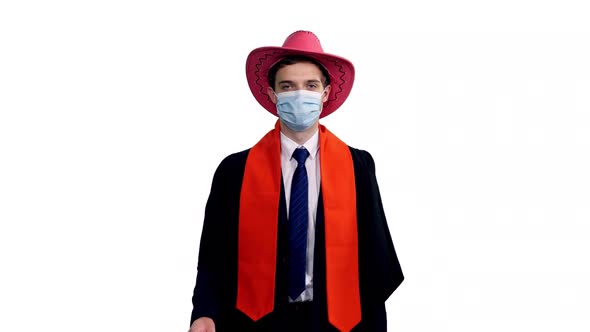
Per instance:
(288,146)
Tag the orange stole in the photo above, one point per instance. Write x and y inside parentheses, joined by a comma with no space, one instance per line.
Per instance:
(258,228)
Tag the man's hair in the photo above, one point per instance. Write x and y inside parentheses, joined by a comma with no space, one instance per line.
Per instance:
(291,60)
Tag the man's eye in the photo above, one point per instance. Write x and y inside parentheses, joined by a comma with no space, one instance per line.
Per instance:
(285,86)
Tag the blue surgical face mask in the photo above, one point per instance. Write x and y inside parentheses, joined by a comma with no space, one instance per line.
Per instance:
(299,109)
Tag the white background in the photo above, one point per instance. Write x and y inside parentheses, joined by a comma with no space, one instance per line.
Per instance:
(115,114)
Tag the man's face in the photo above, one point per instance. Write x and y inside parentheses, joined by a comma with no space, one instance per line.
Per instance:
(299,76)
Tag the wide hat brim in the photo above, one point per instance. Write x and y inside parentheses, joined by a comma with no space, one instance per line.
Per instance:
(260,60)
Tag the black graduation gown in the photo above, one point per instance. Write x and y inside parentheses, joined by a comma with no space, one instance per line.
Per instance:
(216,286)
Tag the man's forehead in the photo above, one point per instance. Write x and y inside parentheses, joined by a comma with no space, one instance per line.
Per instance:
(301,70)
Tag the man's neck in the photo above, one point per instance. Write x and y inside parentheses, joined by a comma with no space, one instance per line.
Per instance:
(299,137)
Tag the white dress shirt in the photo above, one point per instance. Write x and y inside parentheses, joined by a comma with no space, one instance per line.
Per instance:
(312,165)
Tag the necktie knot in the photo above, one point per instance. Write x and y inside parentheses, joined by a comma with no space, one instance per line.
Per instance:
(300,155)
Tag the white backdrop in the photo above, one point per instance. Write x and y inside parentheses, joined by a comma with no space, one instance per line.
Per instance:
(115,114)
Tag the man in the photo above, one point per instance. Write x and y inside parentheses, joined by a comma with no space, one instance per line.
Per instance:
(294,236)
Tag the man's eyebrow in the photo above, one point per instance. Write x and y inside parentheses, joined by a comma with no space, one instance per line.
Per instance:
(306,81)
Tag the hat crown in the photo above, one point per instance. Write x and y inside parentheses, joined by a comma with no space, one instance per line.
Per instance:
(304,41)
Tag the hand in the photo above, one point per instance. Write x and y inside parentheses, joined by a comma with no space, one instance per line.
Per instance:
(203,324)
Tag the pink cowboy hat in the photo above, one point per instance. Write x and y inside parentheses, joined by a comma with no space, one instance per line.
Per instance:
(305,43)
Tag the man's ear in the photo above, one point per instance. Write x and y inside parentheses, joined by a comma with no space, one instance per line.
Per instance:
(326,93)
(271,94)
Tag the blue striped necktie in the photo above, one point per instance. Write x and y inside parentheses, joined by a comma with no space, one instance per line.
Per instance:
(298,220)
